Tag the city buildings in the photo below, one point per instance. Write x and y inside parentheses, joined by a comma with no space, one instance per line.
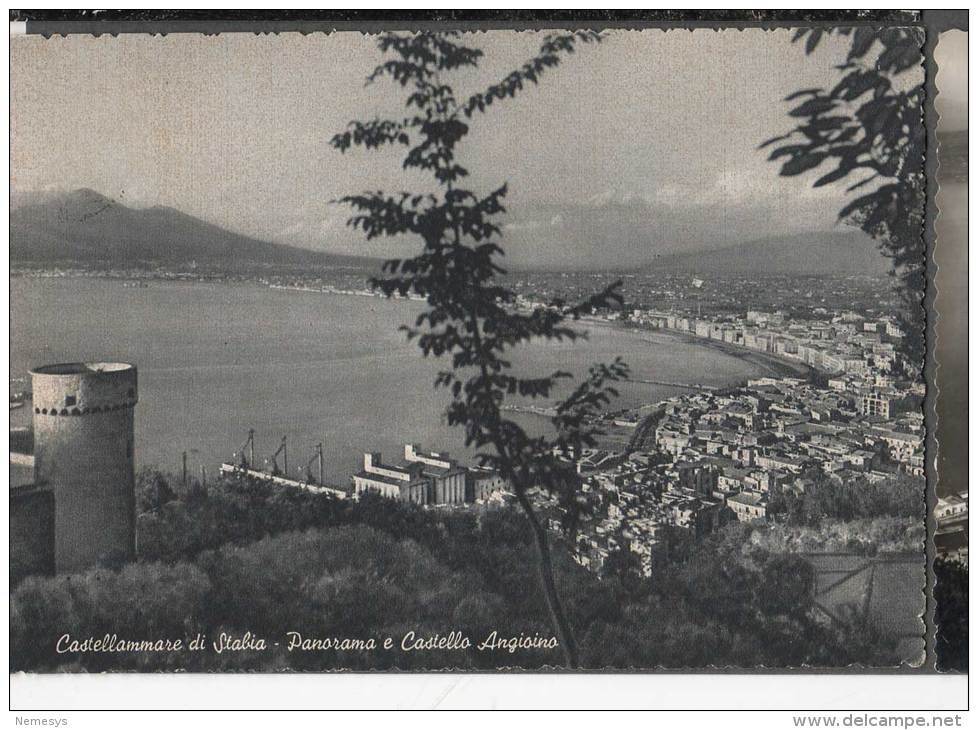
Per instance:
(851,415)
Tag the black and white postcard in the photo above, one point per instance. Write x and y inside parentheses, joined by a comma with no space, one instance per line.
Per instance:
(583,348)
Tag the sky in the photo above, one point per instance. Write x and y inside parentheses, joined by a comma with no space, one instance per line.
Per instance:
(642,145)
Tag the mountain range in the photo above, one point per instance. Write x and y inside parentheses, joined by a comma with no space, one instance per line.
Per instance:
(807,253)
(85,227)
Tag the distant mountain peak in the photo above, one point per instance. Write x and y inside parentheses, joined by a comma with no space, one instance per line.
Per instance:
(83,226)
(817,253)
(87,194)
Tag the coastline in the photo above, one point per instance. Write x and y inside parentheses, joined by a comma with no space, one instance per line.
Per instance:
(771,364)
(774,365)
(213,429)
(768,363)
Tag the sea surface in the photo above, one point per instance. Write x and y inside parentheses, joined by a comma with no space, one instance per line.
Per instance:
(217,359)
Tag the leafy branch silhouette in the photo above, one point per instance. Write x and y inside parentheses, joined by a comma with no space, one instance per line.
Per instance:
(870,127)
(471,318)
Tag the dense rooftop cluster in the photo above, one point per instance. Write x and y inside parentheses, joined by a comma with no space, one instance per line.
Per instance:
(716,455)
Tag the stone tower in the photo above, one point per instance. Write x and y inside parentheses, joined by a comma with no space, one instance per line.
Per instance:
(83,453)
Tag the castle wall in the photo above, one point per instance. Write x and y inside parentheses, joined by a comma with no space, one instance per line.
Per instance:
(31,533)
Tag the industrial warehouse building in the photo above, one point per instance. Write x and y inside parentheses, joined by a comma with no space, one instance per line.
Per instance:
(425,478)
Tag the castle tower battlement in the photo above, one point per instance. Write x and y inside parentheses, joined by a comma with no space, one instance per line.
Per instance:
(83,452)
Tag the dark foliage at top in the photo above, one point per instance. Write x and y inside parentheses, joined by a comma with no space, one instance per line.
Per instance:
(458,16)
(868,130)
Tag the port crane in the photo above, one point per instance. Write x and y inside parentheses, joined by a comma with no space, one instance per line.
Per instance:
(318,458)
(282,449)
(248,447)
(272,474)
